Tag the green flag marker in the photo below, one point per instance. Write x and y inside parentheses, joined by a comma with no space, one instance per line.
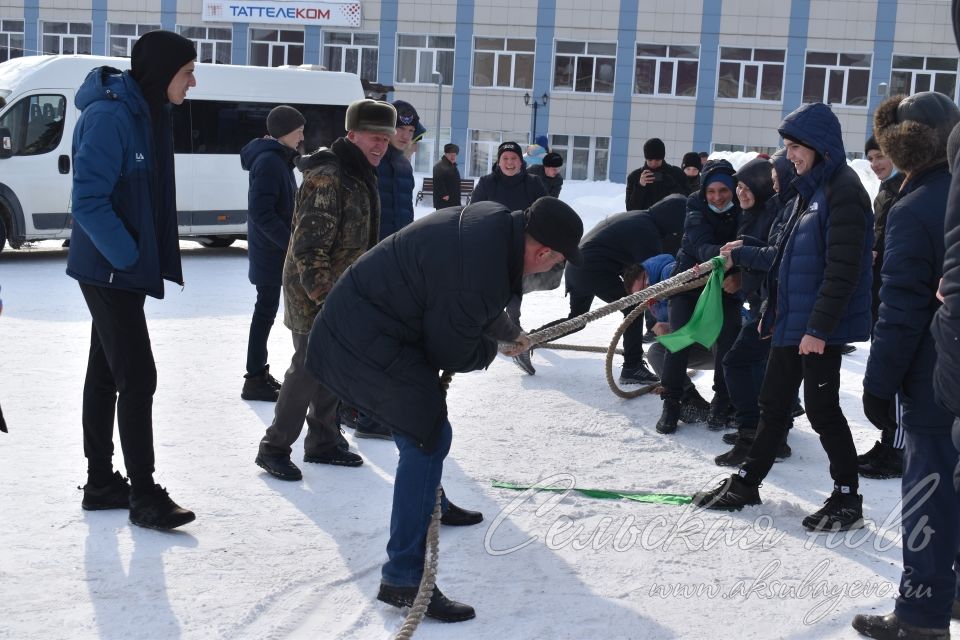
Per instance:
(603,494)
(707,319)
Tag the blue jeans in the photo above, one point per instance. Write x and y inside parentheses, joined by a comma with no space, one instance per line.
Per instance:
(264,313)
(414,497)
(929,582)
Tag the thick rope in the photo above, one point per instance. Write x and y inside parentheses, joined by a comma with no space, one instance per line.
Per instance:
(430,561)
(560,346)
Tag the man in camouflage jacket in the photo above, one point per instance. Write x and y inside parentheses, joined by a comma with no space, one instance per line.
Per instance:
(336,219)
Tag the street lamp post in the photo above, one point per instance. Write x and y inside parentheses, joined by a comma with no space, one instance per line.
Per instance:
(438,78)
(535,103)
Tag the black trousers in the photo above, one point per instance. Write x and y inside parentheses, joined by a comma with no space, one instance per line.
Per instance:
(120,382)
(675,364)
(820,375)
(264,313)
(583,286)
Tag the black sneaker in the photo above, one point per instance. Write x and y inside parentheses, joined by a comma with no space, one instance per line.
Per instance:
(155,510)
(719,414)
(113,495)
(847,349)
(863,458)
(731,438)
(367,427)
(260,388)
(273,382)
(731,494)
(668,418)
(638,375)
(886,463)
(458,517)
(736,456)
(523,361)
(279,466)
(336,456)
(693,408)
(440,608)
(840,512)
(889,627)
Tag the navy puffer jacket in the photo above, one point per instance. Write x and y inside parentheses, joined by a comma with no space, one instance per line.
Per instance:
(903,352)
(426,299)
(270,201)
(704,230)
(819,283)
(395,184)
(125,233)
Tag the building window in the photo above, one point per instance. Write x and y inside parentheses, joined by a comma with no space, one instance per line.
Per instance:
(482,149)
(418,57)
(11,39)
(276,47)
(423,159)
(66,38)
(584,157)
(213,43)
(912,74)
(586,67)
(666,70)
(123,37)
(751,74)
(745,147)
(837,78)
(357,53)
(503,62)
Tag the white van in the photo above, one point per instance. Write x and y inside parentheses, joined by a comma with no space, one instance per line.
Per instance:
(226,110)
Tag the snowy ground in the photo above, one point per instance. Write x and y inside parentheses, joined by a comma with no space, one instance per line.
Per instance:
(271,559)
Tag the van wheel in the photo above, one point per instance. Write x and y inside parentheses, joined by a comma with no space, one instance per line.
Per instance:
(215,242)
(3,235)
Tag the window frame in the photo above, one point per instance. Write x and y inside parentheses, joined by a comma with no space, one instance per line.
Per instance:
(129,40)
(213,42)
(933,73)
(828,69)
(498,54)
(660,62)
(272,45)
(594,151)
(362,51)
(577,58)
(419,51)
(8,29)
(77,37)
(761,66)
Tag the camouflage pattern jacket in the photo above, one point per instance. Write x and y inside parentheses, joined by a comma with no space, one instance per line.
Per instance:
(336,219)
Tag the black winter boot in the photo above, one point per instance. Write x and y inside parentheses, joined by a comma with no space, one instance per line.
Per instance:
(459,517)
(736,456)
(279,467)
(731,494)
(668,418)
(693,407)
(889,627)
(155,510)
(263,387)
(440,608)
(113,495)
(887,462)
(840,512)
(719,414)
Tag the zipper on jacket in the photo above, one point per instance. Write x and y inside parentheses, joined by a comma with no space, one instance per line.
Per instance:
(110,280)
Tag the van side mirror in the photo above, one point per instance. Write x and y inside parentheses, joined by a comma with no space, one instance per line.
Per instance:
(6,143)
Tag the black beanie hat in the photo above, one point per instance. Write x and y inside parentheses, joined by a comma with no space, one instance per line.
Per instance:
(554,224)
(406,115)
(509,146)
(654,149)
(553,159)
(371,115)
(156,58)
(451,148)
(283,120)
(691,159)
(871,145)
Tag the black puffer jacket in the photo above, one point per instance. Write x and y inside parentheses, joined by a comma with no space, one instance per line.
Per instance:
(515,192)
(426,299)
(946,323)
(886,196)
(670,179)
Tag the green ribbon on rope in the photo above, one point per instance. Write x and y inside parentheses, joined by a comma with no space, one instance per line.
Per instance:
(707,319)
(603,494)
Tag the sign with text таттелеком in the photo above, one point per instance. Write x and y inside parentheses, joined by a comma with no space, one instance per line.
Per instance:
(340,14)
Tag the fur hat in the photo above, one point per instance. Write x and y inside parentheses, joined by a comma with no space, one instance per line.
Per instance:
(553,159)
(554,224)
(371,115)
(913,130)
(654,149)
(512,147)
(451,148)
(691,159)
(283,120)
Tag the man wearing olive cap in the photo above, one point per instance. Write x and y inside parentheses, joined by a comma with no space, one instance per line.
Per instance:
(430,298)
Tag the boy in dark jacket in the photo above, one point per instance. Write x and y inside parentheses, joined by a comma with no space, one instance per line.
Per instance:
(913,132)
(269,209)
(430,298)
(395,174)
(819,299)
(655,180)
(124,244)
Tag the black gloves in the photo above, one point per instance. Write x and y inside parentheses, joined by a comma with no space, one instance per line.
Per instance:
(880,412)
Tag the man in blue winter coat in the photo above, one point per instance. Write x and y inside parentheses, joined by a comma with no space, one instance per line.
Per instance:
(819,300)
(270,161)
(430,298)
(124,244)
(913,131)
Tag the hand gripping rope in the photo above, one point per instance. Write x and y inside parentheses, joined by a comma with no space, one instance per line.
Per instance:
(689,279)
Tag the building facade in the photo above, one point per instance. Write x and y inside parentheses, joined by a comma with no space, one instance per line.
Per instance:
(597,79)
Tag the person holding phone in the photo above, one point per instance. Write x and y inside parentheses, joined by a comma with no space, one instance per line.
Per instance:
(655,180)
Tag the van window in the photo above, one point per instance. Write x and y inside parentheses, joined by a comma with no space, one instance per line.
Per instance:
(216,126)
(35,124)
